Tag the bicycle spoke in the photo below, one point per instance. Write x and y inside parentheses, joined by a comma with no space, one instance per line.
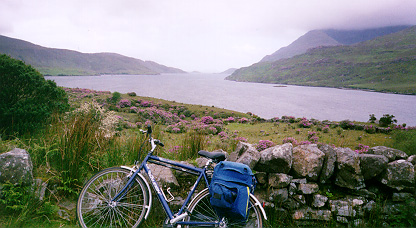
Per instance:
(95,207)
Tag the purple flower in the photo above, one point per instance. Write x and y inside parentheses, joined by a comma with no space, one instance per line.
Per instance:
(124,103)
(207,120)
(243,120)
(290,140)
(264,144)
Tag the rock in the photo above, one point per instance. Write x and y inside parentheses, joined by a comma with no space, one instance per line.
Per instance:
(372,165)
(308,188)
(312,214)
(201,162)
(307,161)
(370,206)
(245,153)
(292,188)
(390,153)
(328,166)
(412,159)
(279,180)
(401,196)
(241,148)
(342,208)
(277,159)
(365,193)
(163,174)
(300,181)
(262,178)
(399,175)
(319,200)
(348,173)
(278,195)
(40,188)
(16,167)
(300,199)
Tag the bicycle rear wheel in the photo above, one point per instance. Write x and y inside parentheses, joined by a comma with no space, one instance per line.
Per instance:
(201,211)
(95,209)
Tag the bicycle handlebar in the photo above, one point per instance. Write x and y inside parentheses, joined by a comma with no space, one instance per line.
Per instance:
(149,133)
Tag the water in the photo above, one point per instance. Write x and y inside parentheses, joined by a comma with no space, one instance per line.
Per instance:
(264,100)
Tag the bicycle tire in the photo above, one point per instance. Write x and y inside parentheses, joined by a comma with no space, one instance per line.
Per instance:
(94,208)
(201,210)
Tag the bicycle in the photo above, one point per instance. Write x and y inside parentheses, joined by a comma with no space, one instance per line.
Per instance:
(121,196)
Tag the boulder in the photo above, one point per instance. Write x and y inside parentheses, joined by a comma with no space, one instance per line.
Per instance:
(372,165)
(307,161)
(245,153)
(241,148)
(164,175)
(348,172)
(277,159)
(399,175)
(390,153)
(16,167)
(328,166)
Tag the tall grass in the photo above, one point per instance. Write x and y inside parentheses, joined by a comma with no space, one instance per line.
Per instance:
(405,141)
(192,142)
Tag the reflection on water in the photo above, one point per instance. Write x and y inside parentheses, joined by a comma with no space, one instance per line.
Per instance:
(265,100)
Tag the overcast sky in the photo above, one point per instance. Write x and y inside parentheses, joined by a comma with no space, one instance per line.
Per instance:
(193,35)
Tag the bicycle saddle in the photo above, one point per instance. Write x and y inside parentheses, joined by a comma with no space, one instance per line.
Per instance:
(215,156)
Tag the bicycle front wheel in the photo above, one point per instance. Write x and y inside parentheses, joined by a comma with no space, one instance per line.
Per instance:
(201,211)
(95,208)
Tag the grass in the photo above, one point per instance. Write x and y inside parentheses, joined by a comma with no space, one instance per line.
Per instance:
(77,145)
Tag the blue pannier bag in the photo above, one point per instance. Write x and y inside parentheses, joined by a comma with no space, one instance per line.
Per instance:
(230,190)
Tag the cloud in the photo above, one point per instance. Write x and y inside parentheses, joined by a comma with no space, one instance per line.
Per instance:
(190,34)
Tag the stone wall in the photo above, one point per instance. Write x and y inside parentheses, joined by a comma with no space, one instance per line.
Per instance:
(320,183)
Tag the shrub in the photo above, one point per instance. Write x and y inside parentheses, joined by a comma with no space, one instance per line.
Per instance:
(346,124)
(386,120)
(116,97)
(372,118)
(264,144)
(27,99)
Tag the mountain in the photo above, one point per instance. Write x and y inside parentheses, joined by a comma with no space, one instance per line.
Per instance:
(229,71)
(52,61)
(329,37)
(386,63)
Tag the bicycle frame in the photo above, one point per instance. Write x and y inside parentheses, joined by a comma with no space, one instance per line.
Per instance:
(182,213)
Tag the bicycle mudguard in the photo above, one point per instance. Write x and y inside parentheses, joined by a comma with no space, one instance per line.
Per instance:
(148,207)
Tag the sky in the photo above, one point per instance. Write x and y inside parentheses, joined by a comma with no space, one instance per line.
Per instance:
(208,36)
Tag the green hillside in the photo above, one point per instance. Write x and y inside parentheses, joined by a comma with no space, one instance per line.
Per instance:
(51,61)
(386,64)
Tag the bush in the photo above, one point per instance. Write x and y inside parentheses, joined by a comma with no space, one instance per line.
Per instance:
(386,120)
(27,99)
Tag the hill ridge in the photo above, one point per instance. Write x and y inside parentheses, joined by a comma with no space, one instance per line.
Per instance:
(385,64)
(330,37)
(54,61)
